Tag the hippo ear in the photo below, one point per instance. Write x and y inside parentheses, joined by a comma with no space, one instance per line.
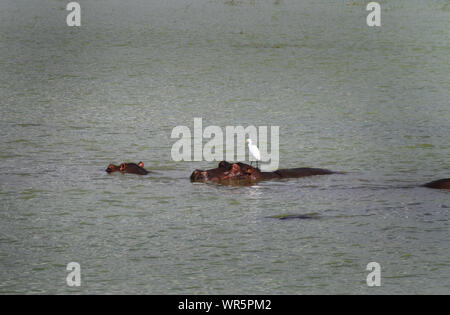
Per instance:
(141,164)
(225,165)
(122,166)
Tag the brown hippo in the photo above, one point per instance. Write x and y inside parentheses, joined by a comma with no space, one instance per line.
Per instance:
(236,172)
(128,168)
(213,175)
(439,184)
(244,173)
(112,168)
(133,168)
(224,172)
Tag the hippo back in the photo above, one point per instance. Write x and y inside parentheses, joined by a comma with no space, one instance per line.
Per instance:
(439,184)
(302,172)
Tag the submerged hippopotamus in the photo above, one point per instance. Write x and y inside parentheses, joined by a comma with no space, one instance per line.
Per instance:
(242,173)
(112,168)
(133,168)
(128,168)
(439,184)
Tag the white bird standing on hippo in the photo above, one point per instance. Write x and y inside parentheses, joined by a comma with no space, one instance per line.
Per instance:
(254,151)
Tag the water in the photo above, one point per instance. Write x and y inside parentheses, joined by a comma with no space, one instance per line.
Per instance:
(373,102)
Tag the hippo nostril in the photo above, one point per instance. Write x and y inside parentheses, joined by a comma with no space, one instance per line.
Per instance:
(195,175)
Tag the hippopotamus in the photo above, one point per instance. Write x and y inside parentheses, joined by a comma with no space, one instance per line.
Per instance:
(133,168)
(243,173)
(439,184)
(128,168)
(112,168)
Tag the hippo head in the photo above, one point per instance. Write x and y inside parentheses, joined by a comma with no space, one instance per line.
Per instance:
(197,175)
(235,169)
(112,168)
(233,173)
(249,172)
(253,173)
(245,168)
(225,165)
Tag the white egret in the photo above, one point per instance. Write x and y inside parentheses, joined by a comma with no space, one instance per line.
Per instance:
(254,151)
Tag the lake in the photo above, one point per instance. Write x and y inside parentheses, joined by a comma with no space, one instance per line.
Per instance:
(372,102)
